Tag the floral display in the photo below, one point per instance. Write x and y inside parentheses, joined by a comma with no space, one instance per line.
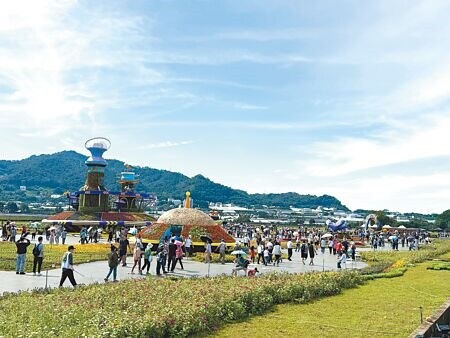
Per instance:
(193,222)
(52,255)
(142,308)
(156,315)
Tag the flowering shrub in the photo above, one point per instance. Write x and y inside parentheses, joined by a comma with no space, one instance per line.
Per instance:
(160,307)
(168,307)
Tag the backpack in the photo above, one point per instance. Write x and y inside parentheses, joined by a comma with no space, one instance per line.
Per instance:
(113,259)
(36,251)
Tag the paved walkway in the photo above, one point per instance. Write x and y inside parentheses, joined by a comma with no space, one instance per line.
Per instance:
(95,272)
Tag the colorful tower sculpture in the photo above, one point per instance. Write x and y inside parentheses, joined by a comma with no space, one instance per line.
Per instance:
(95,196)
(128,200)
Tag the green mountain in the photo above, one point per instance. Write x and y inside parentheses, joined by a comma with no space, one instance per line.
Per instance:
(65,171)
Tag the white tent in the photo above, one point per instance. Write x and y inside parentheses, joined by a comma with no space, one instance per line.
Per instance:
(402,227)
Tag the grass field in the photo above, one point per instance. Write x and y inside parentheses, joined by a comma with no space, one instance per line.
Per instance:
(52,255)
(380,308)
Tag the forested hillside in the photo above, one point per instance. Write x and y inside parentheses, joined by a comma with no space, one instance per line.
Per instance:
(65,171)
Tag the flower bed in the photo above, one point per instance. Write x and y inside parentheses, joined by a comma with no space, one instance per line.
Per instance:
(215,232)
(52,255)
(164,307)
(142,308)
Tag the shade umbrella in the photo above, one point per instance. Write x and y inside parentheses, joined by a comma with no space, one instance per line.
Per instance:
(387,226)
(238,252)
(402,227)
(205,238)
(328,235)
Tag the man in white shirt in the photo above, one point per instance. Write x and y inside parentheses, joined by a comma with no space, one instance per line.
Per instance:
(188,246)
(289,247)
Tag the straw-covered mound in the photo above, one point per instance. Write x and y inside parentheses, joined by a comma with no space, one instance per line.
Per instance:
(193,222)
(185,216)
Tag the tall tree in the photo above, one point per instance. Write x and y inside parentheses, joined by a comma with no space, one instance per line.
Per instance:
(443,220)
(11,207)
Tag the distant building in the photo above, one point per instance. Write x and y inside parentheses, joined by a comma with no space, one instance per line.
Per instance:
(174,201)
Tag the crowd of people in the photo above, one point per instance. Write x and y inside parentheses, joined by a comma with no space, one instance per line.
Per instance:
(257,245)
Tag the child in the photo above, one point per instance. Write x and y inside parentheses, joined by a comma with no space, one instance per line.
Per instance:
(342,259)
(252,254)
(252,272)
(266,256)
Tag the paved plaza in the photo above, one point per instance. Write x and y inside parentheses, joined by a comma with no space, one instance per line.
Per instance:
(95,272)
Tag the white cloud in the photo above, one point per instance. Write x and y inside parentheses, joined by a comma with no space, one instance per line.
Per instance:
(343,155)
(166,144)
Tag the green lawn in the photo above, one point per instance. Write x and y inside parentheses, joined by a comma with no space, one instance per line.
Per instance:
(386,307)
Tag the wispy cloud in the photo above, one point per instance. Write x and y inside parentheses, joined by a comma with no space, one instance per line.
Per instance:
(166,144)
(344,155)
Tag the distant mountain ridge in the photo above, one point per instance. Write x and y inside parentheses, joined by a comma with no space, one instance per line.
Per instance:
(66,171)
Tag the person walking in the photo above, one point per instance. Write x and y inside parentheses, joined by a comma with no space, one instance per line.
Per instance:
(277,253)
(147,257)
(289,248)
(342,259)
(113,262)
(208,250)
(124,244)
(13,232)
(171,255)
(312,253)
(33,233)
(266,256)
(63,235)
(323,245)
(22,245)
(330,245)
(188,246)
(161,259)
(38,253)
(260,250)
(52,237)
(304,252)
(221,249)
(137,254)
(67,267)
(252,254)
(57,235)
(84,235)
(178,257)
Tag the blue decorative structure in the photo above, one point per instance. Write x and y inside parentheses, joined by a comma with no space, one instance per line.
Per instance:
(95,196)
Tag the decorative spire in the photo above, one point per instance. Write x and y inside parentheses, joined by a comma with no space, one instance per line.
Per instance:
(187,201)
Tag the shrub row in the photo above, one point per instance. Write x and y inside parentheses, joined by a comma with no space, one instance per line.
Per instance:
(163,307)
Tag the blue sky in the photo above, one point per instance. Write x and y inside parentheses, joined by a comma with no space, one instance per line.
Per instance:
(348,98)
